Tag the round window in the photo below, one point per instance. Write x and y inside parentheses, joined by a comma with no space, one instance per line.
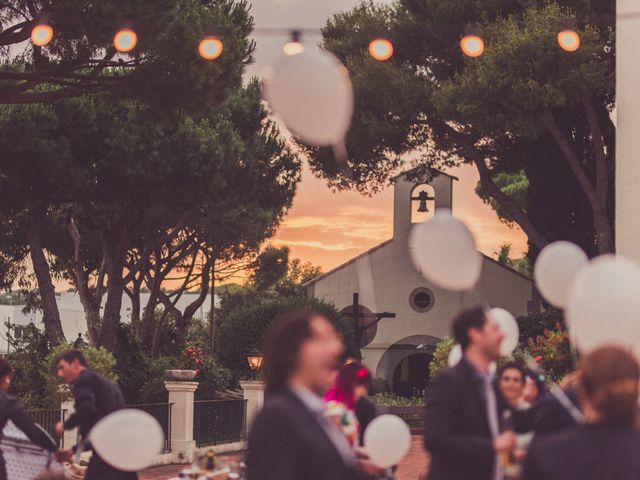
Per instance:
(421,300)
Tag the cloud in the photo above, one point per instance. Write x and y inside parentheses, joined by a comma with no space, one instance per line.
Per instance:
(330,247)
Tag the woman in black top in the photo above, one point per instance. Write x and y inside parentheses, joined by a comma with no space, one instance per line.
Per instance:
(607,445)
(12,409)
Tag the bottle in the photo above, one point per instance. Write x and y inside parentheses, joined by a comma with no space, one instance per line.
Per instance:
(507,426)
(210,466)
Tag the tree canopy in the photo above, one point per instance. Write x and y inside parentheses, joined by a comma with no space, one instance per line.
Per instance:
(525,110)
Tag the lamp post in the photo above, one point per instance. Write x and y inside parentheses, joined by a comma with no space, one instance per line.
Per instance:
(254,359)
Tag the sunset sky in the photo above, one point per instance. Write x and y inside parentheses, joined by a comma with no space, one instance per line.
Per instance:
(328,228)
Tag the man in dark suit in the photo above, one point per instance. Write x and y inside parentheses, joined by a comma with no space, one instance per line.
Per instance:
(95,398)
(292,438)
(465,408)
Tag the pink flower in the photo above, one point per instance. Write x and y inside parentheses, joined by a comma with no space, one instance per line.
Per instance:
(538,358)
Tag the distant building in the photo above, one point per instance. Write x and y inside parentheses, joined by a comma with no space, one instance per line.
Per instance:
(399,349)
(72,315)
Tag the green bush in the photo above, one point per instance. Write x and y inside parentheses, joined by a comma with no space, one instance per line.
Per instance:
(98,359)
(29,379)
(391,400)
(132,364)
(534,325)
(553,354)
(441,357)
(244,321)
(379,385)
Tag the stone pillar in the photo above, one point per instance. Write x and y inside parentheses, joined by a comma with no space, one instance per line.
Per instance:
(181,398)
(70,437)
(253,392)
(628,125)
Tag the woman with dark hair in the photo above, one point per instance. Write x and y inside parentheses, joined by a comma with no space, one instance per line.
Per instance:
(351,384)
(607,445)
(511,379)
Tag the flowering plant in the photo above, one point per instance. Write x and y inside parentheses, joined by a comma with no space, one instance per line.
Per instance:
(552,352)
(194,359)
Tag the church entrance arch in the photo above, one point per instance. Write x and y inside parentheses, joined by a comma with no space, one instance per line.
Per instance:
(405,364)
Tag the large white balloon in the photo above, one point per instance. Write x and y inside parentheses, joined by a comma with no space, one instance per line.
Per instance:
(509,327)
(604,304)
(445,253)
(312,93)
(387,440)
(128,439)
(556,269)
(455,355)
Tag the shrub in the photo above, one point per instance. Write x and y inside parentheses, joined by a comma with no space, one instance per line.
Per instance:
(391,400)
(245,319)
(552,352)
(534,325)
(132,364)
(441,357)
(379,385)
(98,359)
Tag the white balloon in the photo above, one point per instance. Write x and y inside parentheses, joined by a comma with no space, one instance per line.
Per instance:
(312,93)
(509,327)
(445,253)
(128,439)
(455,355)
(387,440)
(604,304)
(556,269)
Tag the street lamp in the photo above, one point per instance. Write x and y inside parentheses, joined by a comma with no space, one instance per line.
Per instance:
(254,359)
(295,46)
(569,40)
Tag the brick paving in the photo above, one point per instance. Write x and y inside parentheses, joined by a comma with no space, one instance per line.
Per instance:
(410,468)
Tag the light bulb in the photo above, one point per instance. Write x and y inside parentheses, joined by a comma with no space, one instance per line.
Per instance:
(125,40)
(210,48)
(41,34)
(569,40)
(381,49)
(472,45)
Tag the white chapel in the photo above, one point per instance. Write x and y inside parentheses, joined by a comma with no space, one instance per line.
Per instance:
(415,314)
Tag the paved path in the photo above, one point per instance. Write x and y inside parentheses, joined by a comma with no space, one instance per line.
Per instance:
(409,469)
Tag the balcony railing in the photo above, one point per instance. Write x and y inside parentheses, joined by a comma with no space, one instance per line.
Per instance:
(219,421)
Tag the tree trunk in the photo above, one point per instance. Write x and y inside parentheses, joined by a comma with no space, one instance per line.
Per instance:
(115,291)
(51,314)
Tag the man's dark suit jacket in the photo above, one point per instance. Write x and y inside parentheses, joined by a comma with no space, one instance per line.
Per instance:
(95,398)
(287,442)
(456,429)
(585,452)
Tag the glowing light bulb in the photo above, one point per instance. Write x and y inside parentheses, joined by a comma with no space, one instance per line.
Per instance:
(569,40)
(210,48)
(472,46)
(381,49)
(125,40)
(41,34)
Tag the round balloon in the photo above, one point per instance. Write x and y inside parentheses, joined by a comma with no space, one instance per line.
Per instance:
(128,439)
(312,93)
(555,270)
(604,304)
(445,253)
(387,440)
(455,355)
(509,327)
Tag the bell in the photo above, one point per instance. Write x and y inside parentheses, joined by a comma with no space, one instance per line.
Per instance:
(423,197)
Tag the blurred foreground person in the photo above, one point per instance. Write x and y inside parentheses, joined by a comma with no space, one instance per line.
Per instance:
(607,445)
(462,430)
(95,398)
(11,409)
(292,438)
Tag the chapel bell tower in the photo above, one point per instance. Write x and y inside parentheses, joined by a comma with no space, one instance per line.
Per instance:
(416,200)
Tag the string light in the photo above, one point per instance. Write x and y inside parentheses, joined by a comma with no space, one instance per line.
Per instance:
(125,40)
(472,45)
(295,46)
(210,48)
(569,40)
(41,34)
(381,49)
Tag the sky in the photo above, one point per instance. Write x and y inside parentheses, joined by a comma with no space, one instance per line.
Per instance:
(328,228)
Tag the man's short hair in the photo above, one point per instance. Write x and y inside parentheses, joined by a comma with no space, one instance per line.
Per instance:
(5,367)
(70,355)
(474,317)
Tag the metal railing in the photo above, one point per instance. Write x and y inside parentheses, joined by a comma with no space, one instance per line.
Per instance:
(48,419)
(219,421)
(162,413)
(414,416)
